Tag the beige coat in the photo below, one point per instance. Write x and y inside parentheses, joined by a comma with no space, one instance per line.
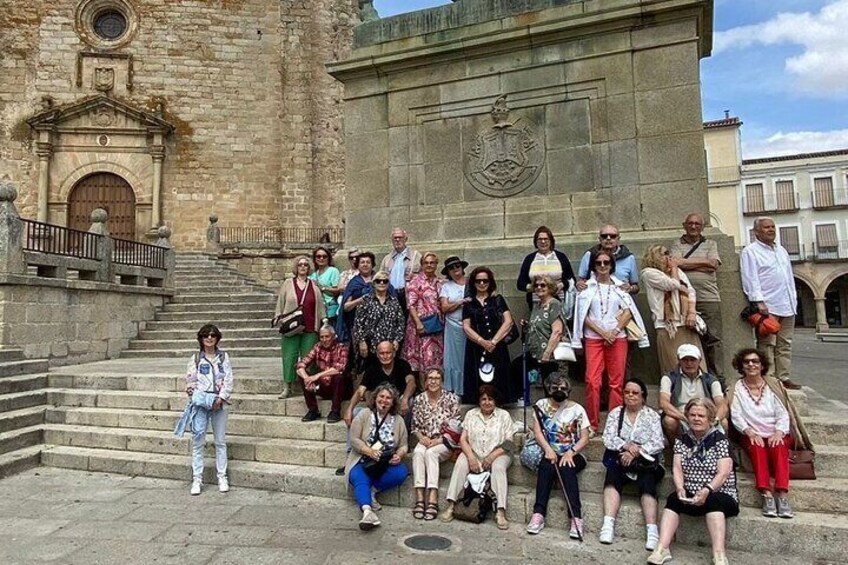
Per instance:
(287,302)
(360,430)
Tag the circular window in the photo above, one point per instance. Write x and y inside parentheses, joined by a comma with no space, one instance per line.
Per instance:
(106,24)
(110,25)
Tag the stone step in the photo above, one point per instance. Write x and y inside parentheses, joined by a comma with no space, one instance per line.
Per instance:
(19,400)
(22,367)
(224,325)
(10,354)
(236,294)
(20,438)
(272,338)
(256,313)
(826,430)
(224,308)
(22,383)
(816,535)
(20,460)
(23,418)
(254,332)
(270,385)
(184,353)
(832,461)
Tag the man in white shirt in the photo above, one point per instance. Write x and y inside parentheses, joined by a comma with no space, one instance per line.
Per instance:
(768,282)
(402,263)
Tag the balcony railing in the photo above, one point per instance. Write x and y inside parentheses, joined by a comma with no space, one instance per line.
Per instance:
(770,203)
(139,254)
(834,198)
(59,240)
(723,174)
(838,252)
(280,236)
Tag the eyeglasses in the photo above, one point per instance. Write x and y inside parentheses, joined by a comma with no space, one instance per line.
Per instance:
(562,388)
(750,361)
(694,224)
(381,281)
(608,236)
(540,285)
(322,256)
(602,263)
(481,281)
(209,336)
(303,264)
(632,392)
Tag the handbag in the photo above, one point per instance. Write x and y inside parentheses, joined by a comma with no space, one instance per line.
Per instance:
(612,458)
(375,468)
(294,323)
(432,324)
(532,453)
(451,433)
(476,503)
(564,351)
(802,465)
(632,329)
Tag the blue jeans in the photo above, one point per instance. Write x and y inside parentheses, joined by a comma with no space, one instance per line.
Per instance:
(362,483)
(198,440)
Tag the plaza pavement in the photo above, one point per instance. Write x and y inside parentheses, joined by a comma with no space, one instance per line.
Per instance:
(64,517)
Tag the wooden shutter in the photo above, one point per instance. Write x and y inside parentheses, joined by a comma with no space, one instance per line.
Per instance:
(826,237)
(785,192)
(823,192)
(754,198)
(789,240)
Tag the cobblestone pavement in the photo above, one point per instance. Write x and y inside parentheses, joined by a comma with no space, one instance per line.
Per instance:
(71,517)
(820,365)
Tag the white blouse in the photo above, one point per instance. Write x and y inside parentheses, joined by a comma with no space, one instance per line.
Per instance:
(603,309)
(765,418)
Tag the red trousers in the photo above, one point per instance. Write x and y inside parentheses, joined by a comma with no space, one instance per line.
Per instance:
(334,391)
(601,356)
(768,462)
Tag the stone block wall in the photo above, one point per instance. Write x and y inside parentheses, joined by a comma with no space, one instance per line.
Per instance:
(73,321)
(257,119)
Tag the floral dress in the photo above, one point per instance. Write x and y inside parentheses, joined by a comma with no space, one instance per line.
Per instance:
(422,351)
(428,419)
(376,321)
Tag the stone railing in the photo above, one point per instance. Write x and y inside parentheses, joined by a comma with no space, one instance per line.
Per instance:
(51,251)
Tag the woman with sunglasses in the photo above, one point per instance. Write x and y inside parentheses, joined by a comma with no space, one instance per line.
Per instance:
(327,277)
(672,302)
(378,318)
(451,300)
(299,292)
(602,310)
(634,443)
(423,344)
(562,431)
(545,327)
(486,320)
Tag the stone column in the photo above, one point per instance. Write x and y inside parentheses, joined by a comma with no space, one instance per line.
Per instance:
(164,240)
(105,247)
(44,150)
(821,316)
(11,228)
(157,152)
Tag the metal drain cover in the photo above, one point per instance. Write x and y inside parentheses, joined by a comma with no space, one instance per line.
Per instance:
(428,543)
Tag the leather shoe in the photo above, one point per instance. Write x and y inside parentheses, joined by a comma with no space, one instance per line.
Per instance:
(311,416)
(789,385)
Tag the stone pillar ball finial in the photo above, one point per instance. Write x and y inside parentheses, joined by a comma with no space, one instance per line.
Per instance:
(8,192)
(99,216)
(213,218)
(164,232)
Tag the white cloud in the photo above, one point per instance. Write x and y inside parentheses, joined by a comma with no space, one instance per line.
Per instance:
(795,142)
(822,67)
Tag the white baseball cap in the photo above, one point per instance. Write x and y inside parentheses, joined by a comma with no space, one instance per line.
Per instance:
(688,350)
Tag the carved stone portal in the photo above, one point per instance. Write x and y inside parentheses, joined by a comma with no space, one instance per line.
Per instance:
(507,158)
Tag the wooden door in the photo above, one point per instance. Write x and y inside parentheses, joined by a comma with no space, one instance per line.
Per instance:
(107,191)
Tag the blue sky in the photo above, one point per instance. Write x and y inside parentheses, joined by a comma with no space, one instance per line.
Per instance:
(781,66)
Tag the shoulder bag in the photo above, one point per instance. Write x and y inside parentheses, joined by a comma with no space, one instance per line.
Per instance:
(564,351)
(432,324)
(642,463)
(294,323)
(477,500)
(632,329)
(375,468)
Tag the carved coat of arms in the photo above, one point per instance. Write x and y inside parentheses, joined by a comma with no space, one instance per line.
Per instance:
(104,79)
(506,158)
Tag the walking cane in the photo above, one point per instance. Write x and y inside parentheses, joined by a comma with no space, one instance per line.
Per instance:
(565,496)
(524,377)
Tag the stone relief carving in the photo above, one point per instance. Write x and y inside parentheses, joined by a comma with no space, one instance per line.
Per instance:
(102,116)
(505,159)
(104,79)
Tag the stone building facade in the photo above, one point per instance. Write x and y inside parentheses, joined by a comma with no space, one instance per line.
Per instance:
(181,108)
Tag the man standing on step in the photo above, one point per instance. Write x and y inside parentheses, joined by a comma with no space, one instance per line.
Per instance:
(326,363)
(402,263)
(768,282)
(698,257)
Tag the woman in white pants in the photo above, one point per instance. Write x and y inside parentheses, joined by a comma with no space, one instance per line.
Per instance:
(430,411)
(209,371)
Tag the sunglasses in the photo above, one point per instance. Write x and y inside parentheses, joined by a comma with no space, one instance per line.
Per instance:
(602,263)
(540,285)
(207,336)
(632,392)
(750,361)
(608,236)
(481,281)
(322,256)
(381,281)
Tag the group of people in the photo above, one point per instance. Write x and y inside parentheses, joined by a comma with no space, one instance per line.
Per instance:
(393,326)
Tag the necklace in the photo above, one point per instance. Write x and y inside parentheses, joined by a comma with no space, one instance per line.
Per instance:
(760,390)
(605,301)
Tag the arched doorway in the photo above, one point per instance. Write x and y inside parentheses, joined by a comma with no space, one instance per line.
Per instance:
(836,302)
(806,316)
(107,191)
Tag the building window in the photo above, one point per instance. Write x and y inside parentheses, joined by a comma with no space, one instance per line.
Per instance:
(754,201)
(790,241)
(823,192)
(106,24)
(110,25)
(827,241)
(785,194)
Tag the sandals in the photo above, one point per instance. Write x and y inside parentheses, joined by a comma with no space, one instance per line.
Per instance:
(418,510)
(432,511)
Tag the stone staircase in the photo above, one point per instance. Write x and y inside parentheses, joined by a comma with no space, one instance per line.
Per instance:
(210,291)
(23,401)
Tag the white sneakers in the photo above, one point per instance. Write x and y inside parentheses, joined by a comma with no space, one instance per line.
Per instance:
(369,520)
(652,540)
(607,533)
(223,485)
(196,485)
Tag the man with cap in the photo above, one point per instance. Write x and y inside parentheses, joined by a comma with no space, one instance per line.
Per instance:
(683,384)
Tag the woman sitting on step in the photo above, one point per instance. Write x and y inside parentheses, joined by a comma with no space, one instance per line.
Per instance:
(704,482)
(209,375)
(378,440)
(762,412)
